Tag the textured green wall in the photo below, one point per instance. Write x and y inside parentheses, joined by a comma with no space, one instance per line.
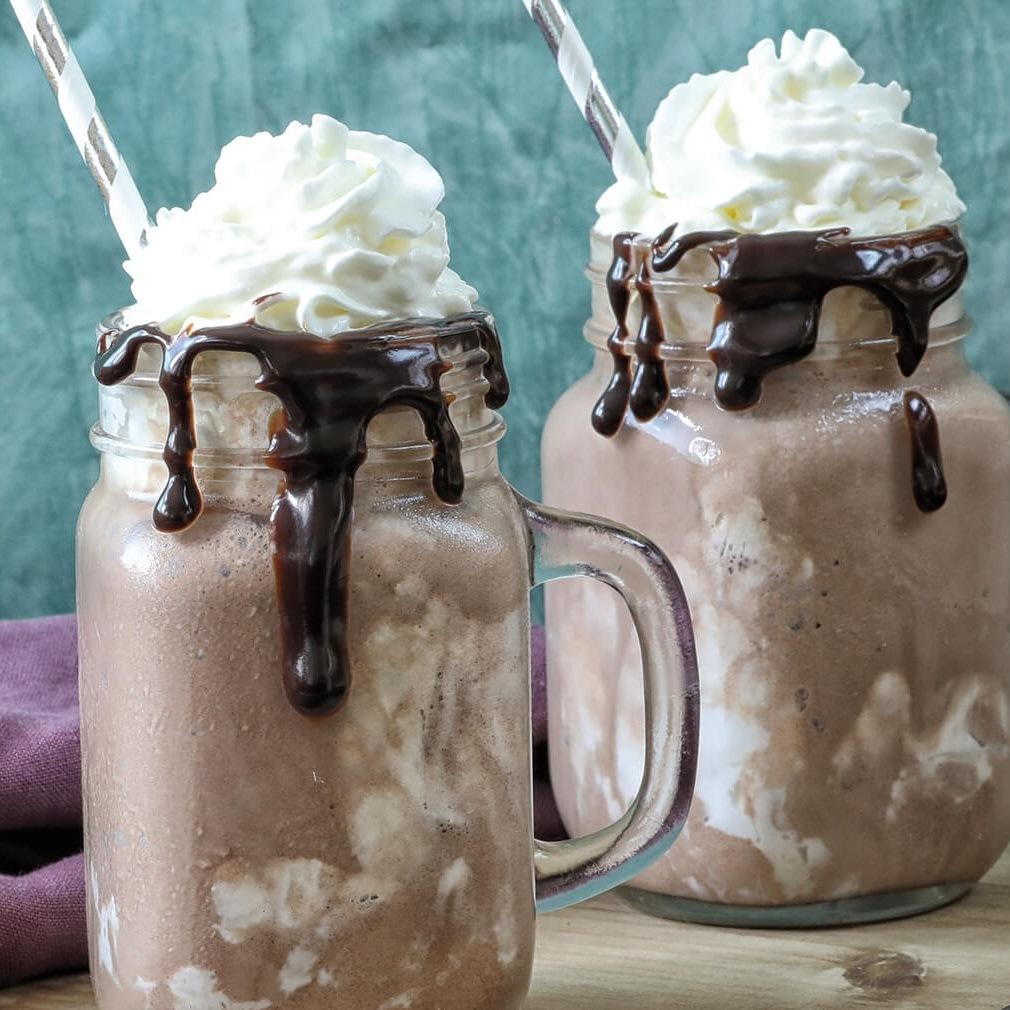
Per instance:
(469,83)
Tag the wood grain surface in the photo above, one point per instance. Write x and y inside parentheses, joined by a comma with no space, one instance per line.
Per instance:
(603,956)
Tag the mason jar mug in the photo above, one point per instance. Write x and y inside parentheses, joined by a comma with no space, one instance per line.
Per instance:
(243,854)
(854,651)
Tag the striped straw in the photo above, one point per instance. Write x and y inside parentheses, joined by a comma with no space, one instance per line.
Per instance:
(579,72)
(77,103)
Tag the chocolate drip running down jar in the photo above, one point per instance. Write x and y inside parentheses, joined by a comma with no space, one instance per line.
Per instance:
(305,675)
(792,419)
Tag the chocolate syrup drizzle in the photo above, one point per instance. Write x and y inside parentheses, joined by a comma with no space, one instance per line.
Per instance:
(928,482)
(771,290)
(329,390)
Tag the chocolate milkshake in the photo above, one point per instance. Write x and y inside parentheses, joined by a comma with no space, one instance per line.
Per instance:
(304,612)
(245,856)
(780,398)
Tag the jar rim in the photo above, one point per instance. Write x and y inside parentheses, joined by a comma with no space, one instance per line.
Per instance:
(462,384)
(114,324)
(599,239)
(950,321)
(452,382)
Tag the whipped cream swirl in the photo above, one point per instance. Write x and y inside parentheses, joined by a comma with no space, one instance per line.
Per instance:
(791,141)
(321,229)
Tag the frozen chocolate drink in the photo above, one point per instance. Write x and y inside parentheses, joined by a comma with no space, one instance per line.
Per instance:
(304,612)
(780,399)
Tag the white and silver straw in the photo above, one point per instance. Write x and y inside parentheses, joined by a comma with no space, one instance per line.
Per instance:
(86,125)
(579,72)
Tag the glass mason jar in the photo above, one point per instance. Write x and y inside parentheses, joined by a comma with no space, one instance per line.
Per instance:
(854,652)
(242,855)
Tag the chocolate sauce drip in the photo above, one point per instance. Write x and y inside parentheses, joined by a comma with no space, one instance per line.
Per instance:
(329,389)
(610,408)
(929,485)
(770,291)
(650,388)
(647,392)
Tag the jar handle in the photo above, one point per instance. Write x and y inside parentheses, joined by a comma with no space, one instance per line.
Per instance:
(563,545)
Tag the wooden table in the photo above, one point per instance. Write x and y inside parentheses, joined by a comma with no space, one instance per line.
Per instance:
(602,956)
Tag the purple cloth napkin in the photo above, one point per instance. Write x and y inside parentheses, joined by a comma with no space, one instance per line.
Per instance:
(41,884)
(42,926)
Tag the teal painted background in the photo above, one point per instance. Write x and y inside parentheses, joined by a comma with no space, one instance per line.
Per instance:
(467,82)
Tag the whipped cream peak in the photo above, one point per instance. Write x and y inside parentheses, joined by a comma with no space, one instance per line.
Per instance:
(794,140)
(320,228)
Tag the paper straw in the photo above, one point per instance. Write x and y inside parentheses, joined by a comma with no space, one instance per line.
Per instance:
(77,104)
(579,72)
